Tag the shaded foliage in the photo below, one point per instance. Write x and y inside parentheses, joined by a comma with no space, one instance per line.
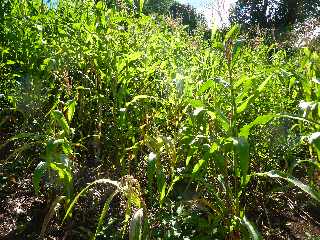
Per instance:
(277,14)
(156,6)
(188,15)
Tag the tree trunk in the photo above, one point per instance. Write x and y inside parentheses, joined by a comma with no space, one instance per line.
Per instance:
(291,16)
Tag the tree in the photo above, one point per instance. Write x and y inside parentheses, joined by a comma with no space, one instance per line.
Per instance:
(185,12)
(277,14)
(149,6)
(158,6)
(188,15)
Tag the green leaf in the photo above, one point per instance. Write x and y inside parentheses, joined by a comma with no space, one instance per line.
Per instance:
(66,147)
(49,215)
(242,149)
(70,107)
(104,212)
(61,120)
(39,172)
(134,56)
(130,2)
(237,48)
(32,136)
(161,181)
(99,5)
(219,161)
(134,197)
(255,235)
(244,105)
(176,179)
(292,82)
(151,170)
(141,5)
(264,119)
(245,130)
(61,171)
(263,84)
(188,160)
(10,62)
(308,161)
(46,61)
(299,119)
(76,26)
(205,86)
(232,32)
(196,103)
(163,192)
(221,118)
(277,174)
(307,51)
(139,97)
(198,166)
(136,225)
(61,31)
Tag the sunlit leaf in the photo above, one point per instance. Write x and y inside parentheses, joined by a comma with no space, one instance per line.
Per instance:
(163,192)
(176,179)
(60,171)
(139,97)
(263,84)
(10,62)
(198,166)
(232,32)
(59,117)
(245,130)
(196,103)
(70,107)
(76,26)
(307,189)
(136,225)
(205,86)
(141,5)
(244,105)
(99,5)
(255,235)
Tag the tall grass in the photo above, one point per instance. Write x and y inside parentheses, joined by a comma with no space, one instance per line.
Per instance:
(192,122)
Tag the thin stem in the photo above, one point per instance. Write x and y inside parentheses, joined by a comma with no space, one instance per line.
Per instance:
(233,119)
(234,133)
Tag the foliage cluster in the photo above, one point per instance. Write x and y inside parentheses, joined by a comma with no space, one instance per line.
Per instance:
(276,14)
(190,131)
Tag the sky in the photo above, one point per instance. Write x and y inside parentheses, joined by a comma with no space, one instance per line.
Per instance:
(215,11)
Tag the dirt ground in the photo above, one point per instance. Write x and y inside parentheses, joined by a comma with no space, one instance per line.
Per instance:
(22,214)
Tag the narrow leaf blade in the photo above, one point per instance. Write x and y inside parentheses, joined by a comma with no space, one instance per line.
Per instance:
(261,120)
(255,235)
(305,188)
(84,190)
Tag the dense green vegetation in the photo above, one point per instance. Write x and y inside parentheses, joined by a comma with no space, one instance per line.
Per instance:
(159,133)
